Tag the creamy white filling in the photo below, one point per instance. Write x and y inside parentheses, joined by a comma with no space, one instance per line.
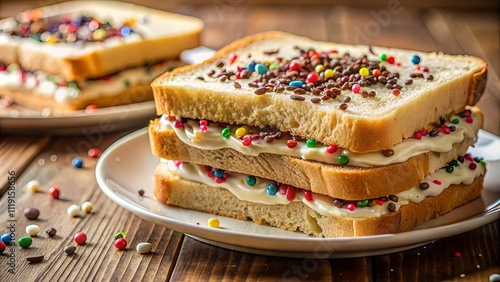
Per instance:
(42,84)
(212,139)
(236,184)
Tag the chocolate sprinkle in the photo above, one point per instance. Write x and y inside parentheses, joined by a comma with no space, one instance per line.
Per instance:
(299,91)
(297,97)
(315,100)
(388,152)
(423,186)
(343,106)
(237,85)
(393,198)
(338,203)
(391,207)
(260,91)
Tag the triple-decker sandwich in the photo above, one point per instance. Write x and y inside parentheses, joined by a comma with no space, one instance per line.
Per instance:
(68,56)
(327,139)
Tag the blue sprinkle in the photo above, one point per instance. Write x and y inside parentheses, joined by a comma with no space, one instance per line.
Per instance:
(272,189)
(251,66)
(415,59)
(6,238)
(251,180)
(77,162)
(219,173)
(125,31)
(261,69)
(296,83)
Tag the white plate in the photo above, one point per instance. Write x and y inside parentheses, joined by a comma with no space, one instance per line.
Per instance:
(21,121)
(128,165)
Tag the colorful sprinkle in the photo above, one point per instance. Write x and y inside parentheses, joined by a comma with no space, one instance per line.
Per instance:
(25,242)
(290,193)
(251,180)
(310,143)
(395,92)
(247,142)
(343,160)
(308,195)
(351,207)
(383,57)
(94,153)
(437,182)
(356,88)
(291,144)
(213,222)
(376,72)
(80,238)
(33,186)
(296,83)
(6,238)
(364,72)
(32,230)
(331,149)
(329,73)
(415,59)
(362,203)
(226,132)
(391,60)
(2,247)
(251,66)
(121,244)
(77,162)
(54,192)
(472,166)
(261,69)
(241,131)
(73,210)
(312,77)
(87,207)
(272,189)
(295,66)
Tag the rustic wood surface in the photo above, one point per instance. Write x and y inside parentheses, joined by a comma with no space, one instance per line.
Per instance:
(180,258)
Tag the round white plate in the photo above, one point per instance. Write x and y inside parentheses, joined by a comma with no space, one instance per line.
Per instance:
(128,165)
(21,121)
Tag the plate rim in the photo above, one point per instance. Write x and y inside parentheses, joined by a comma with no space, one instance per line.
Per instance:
(207,233)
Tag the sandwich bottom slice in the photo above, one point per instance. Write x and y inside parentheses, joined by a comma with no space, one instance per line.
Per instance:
(247,197)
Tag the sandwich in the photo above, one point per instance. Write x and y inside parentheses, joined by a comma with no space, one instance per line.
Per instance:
(68,56)
(327,139)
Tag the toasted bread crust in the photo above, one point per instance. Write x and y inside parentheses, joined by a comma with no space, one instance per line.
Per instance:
(345,182)
(359,132)
(172,190)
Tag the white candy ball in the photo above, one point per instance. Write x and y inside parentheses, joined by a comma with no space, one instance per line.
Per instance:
(87,207)
(33,186)
(73,210)
(143,248)
(32,230)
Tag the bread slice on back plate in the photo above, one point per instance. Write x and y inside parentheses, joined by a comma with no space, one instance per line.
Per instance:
(326,108)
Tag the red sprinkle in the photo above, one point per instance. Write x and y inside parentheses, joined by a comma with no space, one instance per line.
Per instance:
(219,180)
(294,66)
(424,132)
(177,163)
(210,174)
(94,153)
(247,142)
(472,166)
(203,128)
(121,244)
(203,122)
(469,119)
(395,92)
(232,58)
(283,188)
(91,108)
(390,60)
(331,149)
(398,64)
(446,130)
(437,182)
(291,143)
(417,135)
(80,238)
(308,195)
(312,77)
(456,254)
(54,192)
(290,193)
(467,113)
(468,157)
(178,124)
(379,202)
(350,207)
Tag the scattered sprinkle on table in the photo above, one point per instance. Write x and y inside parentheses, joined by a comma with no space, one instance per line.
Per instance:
(121,244)
(143,248)
(32,230)
(54,192)
(33,259)
(2,247)
(80,238)
(6,238)
(77,162)
(69,250)
(73,210)
(33,186)
(31,213)
(141,192)
(87,207)
(25,242)
(94,153)
(51,232)
(213,222)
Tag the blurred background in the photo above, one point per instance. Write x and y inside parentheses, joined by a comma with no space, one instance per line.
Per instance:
(450,26)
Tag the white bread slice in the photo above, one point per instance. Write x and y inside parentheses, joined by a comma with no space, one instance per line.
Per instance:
(345,182)
(368,124)
(164,36)
(125,87)
(296,216)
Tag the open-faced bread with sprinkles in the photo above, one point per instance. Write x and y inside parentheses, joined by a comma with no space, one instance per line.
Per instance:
(323,138)
(357,97)
(106,53)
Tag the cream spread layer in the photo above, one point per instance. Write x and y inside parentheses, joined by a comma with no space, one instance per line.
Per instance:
(212,137)
(259,190)
(62,92)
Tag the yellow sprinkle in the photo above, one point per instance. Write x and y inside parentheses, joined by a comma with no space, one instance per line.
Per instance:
(213,222)
(364,72)
(129,22)
(99,34)
(319,68)
(328,73)
(197,136)
(51,39)
(241,131)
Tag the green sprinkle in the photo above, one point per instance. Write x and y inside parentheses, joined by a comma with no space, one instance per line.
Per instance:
(72,84)
(120,234)
(449,169)
(272,189)
(126,82)
(483,163)
(226,132)
(383,57)
(371,203)
(310,143)
(455,121)
(13,67)
(25,242)
(36,37)
(343,160)
(251,180)
(273,66)
(363,203)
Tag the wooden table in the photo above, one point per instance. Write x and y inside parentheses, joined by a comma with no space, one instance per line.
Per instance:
(177,257)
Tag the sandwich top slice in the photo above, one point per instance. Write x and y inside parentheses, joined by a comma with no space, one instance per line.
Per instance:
(361,98)
(90,39)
